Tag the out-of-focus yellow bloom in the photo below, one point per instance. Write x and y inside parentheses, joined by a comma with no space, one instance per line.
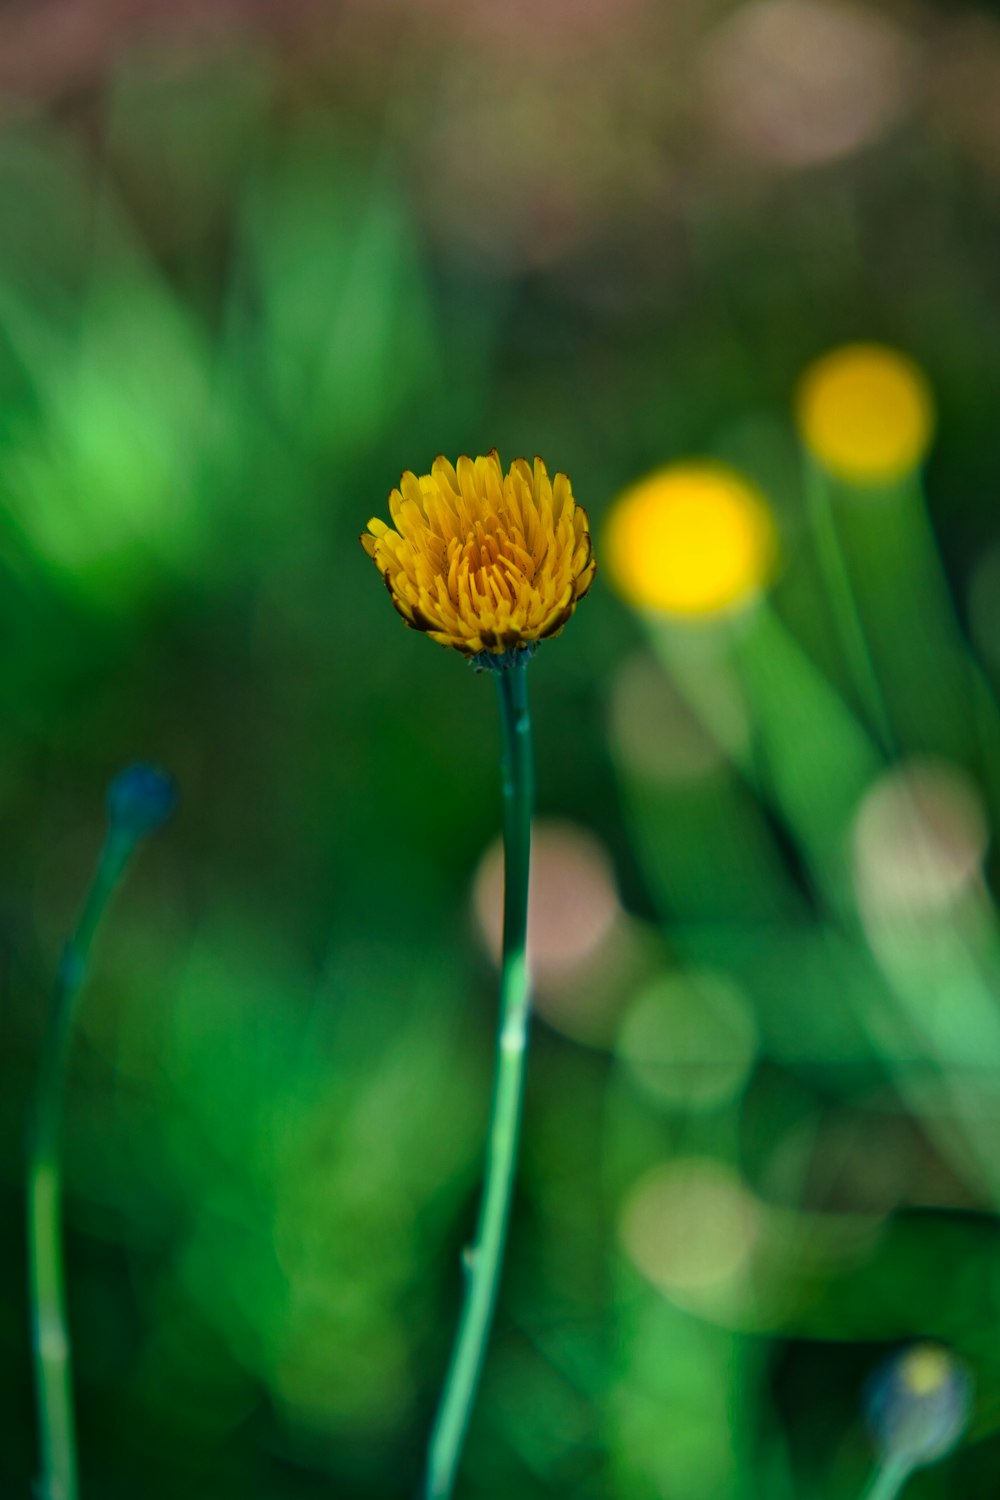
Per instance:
(693,539)
(925,1368)
(483,561)
(919,1403)
(866,412)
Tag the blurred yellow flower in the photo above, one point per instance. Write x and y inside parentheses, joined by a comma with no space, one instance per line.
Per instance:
(692,539)
(483,561)
(866,412)
(925,1368)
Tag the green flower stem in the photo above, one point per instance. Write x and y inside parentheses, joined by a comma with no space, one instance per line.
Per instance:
(484,1258)
(50,1335)
(889,1479)
(843,599)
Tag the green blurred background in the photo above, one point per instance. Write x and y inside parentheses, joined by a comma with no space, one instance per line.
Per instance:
(255,259)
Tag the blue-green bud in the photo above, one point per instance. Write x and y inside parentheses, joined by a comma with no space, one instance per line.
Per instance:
(918,1404)
(141,799)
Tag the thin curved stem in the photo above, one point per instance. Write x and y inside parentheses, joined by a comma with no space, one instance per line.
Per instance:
(889,1479)
(847,614)
(46,1290)
(484,1259)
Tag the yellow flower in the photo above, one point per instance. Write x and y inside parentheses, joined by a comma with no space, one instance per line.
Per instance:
(925,1368)
(480,560)
(866,412)
(692,539)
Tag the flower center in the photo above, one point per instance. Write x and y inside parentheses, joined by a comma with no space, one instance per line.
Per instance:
(494,558)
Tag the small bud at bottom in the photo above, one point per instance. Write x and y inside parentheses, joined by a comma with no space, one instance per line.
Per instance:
(140,799)
(918,1404)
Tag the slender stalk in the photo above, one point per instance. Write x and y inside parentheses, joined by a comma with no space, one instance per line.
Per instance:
(484,1259)
(847,615)
(889,1478)
(50,1335)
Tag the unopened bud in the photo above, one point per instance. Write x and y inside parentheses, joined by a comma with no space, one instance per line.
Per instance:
(918,1404)
(141,799)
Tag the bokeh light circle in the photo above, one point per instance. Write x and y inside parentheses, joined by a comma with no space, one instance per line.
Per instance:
(689,1040)
(654,734)
(866,412)
(793,83)
(572,900)
(693,539)
(919,840)
(690,1226)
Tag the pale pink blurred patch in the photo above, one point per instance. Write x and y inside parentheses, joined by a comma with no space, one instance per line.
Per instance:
(582,949)
(573,904)
(794,83)
(919,841)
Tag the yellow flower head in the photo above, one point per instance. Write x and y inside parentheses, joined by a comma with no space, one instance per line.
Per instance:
(481,560)
(925,1368)
(866,412)
(693,539)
